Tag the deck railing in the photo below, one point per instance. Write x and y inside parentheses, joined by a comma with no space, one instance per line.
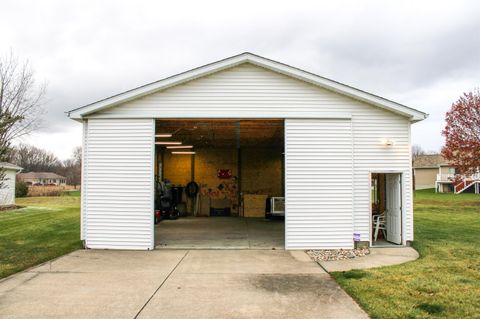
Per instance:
(445,177)
(451,177)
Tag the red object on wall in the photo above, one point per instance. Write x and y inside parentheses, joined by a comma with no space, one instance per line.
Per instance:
(224,173)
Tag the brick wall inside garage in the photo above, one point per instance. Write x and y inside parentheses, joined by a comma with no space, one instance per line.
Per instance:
(177,168)
(261,171)
(207,162)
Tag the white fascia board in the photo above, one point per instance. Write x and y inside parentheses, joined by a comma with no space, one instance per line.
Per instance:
(243,115)
(412,114)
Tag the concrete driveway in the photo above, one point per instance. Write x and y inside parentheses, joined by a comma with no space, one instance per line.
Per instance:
(220,233)
(176,284)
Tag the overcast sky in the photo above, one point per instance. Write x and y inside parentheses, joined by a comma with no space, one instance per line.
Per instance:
(420,53)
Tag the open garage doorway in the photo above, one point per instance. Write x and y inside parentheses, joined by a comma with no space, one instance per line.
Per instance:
(225,179)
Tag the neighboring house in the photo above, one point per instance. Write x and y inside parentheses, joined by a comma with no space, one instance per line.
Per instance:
(42,178)
(427,168)
(434,171)
(7,192)
(335,138)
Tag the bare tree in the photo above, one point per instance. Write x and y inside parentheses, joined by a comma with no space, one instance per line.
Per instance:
(34,159)
(20,104)
(20,98)
(77,155)
(416,151)
(72,167)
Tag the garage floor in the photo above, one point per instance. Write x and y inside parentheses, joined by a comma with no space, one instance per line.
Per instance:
(176,284)
(220,233)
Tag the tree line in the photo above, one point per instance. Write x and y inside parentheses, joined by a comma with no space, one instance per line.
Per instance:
(34,159)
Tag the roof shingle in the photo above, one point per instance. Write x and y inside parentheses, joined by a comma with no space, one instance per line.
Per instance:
(39,175)
(429,161)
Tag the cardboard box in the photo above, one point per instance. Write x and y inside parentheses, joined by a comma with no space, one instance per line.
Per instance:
(254,205)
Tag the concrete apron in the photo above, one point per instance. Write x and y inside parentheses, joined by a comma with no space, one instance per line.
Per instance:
(220,233)
(176,284)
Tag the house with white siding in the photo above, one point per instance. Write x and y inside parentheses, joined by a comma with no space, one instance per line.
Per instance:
(236,133)
(42,179)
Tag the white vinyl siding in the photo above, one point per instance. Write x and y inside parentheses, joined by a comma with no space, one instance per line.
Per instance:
(248,91)
(118,196)
(318,180)
(7,192)
(371,155)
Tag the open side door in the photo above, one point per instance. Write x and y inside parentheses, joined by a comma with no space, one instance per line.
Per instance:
(393,214)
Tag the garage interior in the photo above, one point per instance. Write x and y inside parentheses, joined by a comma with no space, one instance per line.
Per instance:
(237,170)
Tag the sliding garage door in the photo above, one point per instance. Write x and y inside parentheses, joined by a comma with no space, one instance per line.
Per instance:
(117,202)
(319,196)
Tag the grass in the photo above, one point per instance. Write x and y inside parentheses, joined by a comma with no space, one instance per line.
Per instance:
(46,228)
(71,193)
(445,281)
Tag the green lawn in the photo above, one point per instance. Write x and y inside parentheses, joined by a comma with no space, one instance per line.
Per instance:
(445,281)
(47,228)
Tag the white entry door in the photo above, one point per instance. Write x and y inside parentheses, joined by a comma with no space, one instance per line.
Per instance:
(393,214)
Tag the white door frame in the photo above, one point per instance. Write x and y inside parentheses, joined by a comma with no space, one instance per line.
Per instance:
(403,203)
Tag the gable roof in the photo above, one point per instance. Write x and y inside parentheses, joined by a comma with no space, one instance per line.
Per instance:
(48,175)
(413,114)
(430,161)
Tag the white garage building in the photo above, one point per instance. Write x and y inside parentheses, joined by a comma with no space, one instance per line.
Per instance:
(344,153)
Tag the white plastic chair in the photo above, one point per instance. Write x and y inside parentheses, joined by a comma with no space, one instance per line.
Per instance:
(379,224)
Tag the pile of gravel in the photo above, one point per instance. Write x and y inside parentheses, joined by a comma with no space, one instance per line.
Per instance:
(337,254)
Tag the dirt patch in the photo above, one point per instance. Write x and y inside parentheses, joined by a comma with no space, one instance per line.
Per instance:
(10,207)
(431,309)
(354,274)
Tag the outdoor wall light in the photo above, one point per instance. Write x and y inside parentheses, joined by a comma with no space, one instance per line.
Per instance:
(388,142)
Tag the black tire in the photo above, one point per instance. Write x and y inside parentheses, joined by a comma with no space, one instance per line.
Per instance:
(174,214)
(192,189)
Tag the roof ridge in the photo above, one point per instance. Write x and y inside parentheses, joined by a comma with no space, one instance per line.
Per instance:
(247,57)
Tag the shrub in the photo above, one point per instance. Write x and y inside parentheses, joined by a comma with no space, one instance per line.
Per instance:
(45,190)
(21,189)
